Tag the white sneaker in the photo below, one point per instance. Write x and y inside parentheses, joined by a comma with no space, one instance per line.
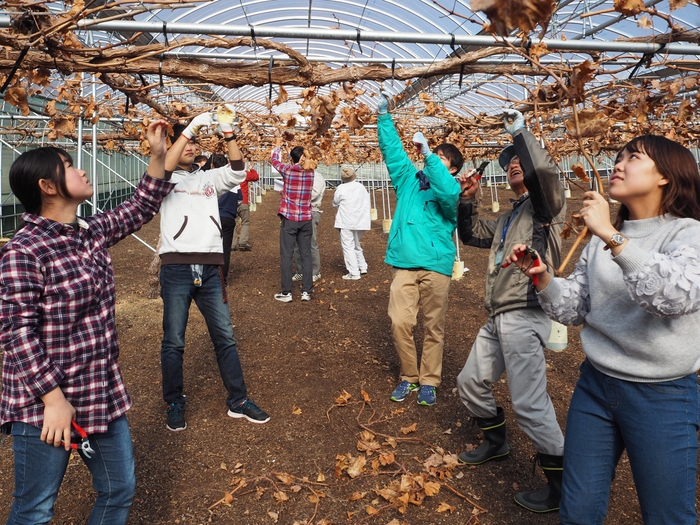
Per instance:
(362,272)
(297,277)
(317,277)
(305,296)
(284,297)
(351,277)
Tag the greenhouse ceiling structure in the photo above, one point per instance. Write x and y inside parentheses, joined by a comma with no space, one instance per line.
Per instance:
(587,74)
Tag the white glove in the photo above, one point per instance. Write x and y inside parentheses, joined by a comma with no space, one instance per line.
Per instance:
(513,121)
(196,124)
(422,144)
(226,116)
(383,102)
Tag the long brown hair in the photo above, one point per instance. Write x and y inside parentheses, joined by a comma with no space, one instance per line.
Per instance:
(681,196)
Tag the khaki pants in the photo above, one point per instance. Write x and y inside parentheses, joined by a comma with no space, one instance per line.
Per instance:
(411,290)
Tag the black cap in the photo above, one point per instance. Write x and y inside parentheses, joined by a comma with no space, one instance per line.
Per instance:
(506,156)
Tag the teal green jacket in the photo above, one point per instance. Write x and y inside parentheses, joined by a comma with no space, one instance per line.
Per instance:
(424,220)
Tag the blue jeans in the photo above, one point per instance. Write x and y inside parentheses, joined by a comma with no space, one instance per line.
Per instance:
(177,290)
(656,422)
(39,470)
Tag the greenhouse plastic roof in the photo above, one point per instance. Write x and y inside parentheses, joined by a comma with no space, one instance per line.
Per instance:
(405,46)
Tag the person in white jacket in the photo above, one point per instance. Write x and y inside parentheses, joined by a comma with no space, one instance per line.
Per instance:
(353,219)
(191,256)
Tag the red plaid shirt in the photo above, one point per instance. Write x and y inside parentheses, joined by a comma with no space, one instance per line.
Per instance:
(57,302)
(295,204)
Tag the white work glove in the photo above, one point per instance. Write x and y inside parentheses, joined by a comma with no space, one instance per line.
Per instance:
(226,116)
(383,102)
(422,144)
(196,124)
(513,121)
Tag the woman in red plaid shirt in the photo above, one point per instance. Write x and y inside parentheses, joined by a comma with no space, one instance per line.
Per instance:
(58,332)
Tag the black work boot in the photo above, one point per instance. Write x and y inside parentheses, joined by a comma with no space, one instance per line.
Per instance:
(547,498)
(495,444)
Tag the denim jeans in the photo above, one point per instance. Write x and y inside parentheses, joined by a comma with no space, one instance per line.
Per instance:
(39,471)
(178,291)
(656,422)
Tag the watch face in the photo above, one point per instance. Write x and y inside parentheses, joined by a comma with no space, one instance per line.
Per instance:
(617,239)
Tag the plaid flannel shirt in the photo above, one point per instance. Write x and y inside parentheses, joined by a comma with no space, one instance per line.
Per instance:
(57,308)
(295,203)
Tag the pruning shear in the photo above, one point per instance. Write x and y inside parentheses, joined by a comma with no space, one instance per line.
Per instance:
(535,262)
(84,445)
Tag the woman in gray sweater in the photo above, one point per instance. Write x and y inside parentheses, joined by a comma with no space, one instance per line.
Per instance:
(636,290)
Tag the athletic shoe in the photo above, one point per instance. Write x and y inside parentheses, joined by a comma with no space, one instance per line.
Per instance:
(176,417)
(317,277)
(401,391)
(427,395)
(305,296)
(297,277)
(363,272)
(284,297)
(250,411)
(245,247)
(351,277)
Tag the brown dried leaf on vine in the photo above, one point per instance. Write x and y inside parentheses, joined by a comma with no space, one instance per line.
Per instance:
(17,96)
(549,92)
(282,96)
(678,4)
(506,15)
(40,76)
(580,172)
(591,123)
(629,7)
(580,75)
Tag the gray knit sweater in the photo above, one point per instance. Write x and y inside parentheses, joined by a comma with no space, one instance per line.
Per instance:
(640,310)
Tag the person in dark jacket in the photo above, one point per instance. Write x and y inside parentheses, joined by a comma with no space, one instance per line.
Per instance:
(228,210)
(513,339)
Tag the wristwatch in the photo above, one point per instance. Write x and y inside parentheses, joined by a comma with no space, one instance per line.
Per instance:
(616,240)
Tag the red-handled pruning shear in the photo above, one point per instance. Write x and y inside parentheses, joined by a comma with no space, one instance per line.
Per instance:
(535,262)
(84,445)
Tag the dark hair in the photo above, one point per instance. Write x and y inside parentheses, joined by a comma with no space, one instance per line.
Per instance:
(32,166)
(217,160)
(296,153)
(177,131)
(201,158)
(451,153)
(681,196)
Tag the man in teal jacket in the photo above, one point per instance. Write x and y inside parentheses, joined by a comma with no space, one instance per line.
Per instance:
(421,252)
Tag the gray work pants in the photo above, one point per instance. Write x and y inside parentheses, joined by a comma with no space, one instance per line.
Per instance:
(513,342)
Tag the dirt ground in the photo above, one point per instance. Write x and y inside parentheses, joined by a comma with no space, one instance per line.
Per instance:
(336,450)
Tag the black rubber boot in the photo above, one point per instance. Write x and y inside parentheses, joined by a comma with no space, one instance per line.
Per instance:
(547,498)
(495,444)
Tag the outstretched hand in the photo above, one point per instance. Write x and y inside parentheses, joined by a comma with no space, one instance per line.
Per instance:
(196,124)
(156,137)
(226,116)
(513,120)
(422,144)
(383,102)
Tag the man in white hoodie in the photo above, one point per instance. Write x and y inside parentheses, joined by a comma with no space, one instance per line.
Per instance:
(191,255)
(353,219)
